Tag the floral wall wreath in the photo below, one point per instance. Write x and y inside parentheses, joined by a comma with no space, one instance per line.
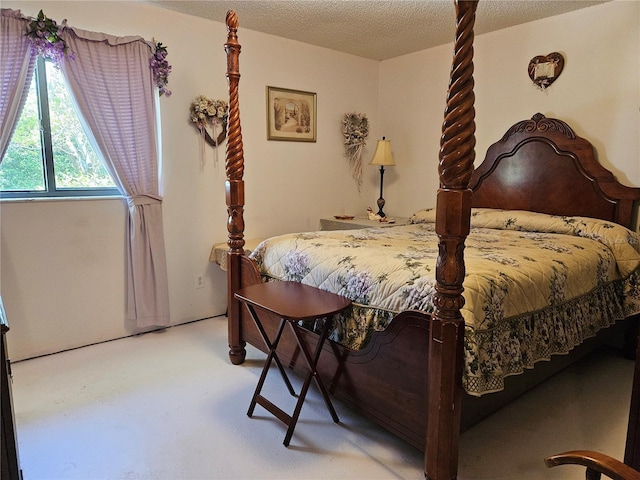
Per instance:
(210,113)
(355,129)
(206,113)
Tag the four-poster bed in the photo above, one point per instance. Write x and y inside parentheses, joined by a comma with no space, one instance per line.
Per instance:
(408,377)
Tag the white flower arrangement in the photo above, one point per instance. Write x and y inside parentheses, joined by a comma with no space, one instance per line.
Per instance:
(355,129)
(205,112)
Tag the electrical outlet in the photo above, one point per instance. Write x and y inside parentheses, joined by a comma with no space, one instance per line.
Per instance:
(199,281)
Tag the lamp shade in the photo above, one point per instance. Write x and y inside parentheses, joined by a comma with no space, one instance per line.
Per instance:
(383,155)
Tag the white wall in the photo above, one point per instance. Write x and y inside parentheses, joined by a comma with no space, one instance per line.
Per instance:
(62,262)
(598,94)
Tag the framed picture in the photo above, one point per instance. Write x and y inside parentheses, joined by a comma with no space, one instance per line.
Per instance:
(291,115)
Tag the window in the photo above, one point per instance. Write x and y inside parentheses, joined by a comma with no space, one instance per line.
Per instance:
(50,154)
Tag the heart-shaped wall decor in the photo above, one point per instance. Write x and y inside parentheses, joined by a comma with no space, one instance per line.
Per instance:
(545,69)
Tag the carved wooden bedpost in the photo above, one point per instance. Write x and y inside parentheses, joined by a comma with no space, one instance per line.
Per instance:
(234,191)
(453,212)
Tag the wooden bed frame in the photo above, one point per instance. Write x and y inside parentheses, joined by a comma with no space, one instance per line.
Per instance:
(412,371)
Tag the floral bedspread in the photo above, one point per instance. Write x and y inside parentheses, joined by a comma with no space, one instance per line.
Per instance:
(536,285)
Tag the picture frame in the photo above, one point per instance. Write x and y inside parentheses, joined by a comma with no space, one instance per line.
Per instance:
(291,115)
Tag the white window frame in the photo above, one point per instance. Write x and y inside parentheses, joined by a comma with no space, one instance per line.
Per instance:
(51,189)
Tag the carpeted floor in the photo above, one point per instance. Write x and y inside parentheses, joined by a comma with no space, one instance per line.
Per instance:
(169,405)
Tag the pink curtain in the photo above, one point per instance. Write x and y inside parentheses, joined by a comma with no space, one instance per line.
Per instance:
(16,70)
(113,86)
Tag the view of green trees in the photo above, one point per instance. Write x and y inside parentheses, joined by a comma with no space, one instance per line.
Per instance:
(76,164)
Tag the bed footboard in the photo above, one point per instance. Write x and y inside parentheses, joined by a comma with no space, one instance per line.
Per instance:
(386,381)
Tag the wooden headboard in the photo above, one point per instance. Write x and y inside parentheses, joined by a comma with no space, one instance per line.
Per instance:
(541,165)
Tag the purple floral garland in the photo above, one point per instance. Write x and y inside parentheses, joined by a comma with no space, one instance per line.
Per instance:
(44,36)
(160,68)
(45,40)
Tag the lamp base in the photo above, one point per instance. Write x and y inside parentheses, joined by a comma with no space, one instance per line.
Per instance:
(380,203)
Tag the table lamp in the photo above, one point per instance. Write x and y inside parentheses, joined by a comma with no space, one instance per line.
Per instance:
(382,157)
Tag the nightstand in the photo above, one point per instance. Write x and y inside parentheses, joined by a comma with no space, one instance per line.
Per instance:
(331,223)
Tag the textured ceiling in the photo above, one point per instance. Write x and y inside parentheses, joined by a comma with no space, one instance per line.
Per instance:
(376,29)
